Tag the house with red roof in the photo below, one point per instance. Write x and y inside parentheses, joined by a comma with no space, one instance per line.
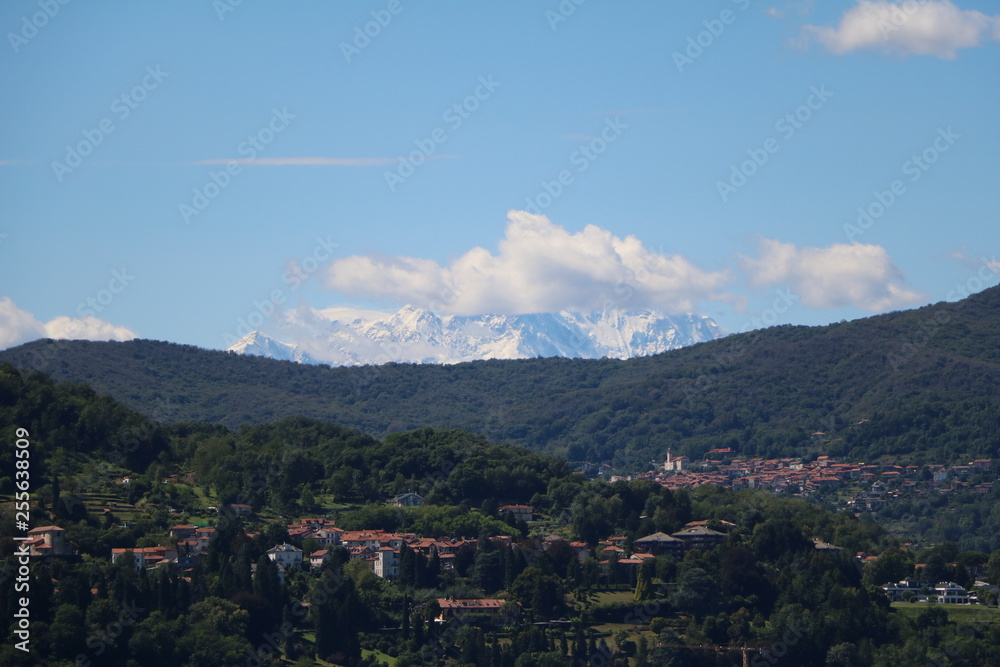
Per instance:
(48,541)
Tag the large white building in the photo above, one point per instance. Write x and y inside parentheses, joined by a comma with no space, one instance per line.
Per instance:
(386,564)
(949,592)
(285,555)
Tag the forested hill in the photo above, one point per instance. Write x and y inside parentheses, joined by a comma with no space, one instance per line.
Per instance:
(927,381)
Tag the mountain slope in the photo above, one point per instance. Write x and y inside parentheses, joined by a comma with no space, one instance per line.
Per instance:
(926,380)
(413,335)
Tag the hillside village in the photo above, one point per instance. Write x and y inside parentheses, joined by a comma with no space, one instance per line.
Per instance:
(618,559)
(861,487)
(875,483)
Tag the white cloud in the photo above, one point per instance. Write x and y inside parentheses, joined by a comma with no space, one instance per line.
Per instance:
(856,274)
(540,267)
(925,27)
(316,161)
(86,328)
(19,326)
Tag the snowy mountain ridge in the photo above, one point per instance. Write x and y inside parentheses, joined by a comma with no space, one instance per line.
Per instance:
(414,335)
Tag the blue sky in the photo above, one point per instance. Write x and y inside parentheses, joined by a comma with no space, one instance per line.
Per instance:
(173,170)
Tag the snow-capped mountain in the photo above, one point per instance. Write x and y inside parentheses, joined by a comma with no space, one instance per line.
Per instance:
(260,345)
(351,338)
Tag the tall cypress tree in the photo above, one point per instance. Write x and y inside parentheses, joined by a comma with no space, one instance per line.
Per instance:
(265,581)
(406,617)
(407,567)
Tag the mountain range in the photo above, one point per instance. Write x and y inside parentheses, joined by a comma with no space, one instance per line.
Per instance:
(917,385)
(414,335)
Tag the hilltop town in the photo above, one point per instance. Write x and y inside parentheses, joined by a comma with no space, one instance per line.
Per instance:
(875,484)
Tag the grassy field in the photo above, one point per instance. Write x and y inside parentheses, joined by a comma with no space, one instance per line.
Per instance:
(378,655)
(957,613)
(606,597)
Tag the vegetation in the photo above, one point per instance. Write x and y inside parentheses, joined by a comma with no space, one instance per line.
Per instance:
(766,587)
(925,380)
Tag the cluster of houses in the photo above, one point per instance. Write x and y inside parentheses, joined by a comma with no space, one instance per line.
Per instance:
(381,550)
(694,535)
(378,549)
(721,468)
(191,544)
(895,482)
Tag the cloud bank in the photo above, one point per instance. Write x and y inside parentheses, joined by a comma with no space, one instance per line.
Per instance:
(19,326)
(925,27)
(856,274)
(539,267)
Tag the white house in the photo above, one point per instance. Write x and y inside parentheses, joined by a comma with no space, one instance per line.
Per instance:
(327,537)
(520,512)
(386,565)
(408,500)
(949,592)
(285,555)
(318,557)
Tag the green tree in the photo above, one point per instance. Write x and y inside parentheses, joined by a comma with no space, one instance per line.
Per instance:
(542,592)
(644,580)
(845,654)
(891,566)
(215,634)
(67,631)
(696,592)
